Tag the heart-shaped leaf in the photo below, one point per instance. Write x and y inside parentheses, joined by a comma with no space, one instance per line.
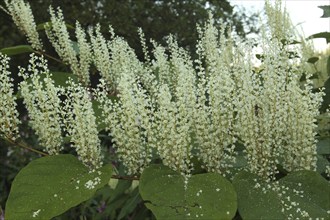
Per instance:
(171,196)
(49,186)
(301,194)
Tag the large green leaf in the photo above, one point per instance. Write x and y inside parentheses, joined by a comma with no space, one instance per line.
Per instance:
(253,202)
(298,195)
(49,186)
(206,196)
(313,196)
(15,50)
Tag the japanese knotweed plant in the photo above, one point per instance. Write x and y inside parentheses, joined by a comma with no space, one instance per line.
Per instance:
(204,115)
(176,108)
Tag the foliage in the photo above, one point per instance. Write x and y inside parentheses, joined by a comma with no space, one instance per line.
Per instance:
(177,17)
(46,188)
(170,195)
(179,135)
(300,194)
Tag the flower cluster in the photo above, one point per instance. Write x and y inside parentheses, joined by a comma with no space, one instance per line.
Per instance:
(130,125)
(58,35)
(175,104)
(214,121)
(113,58)
(43,104)
(174,108)
(80,124)
(8,114)
(278,21)
(22,15)
(276,116)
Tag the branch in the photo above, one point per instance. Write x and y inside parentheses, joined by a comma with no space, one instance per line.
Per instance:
(25,146)
(48,56)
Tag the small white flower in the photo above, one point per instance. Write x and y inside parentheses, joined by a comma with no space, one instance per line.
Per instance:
(36,213)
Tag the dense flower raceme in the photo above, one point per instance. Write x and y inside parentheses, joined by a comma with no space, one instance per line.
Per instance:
(214,116)
(43,104)
(58,35)
(8,113)
(22,15)
(51,118)
(174,108)
(80,124)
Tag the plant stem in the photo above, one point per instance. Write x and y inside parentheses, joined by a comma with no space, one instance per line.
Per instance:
(25,146)
(49,56)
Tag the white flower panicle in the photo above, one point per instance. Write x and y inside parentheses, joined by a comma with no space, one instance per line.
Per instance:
(173,132)
(58,35)
(129,122)
(214,117)
(101,55)
(208,111)
(8,113)
(276,117)
(22,16)
(41,99)
(174,118)
(85,55)
(123,61)
(113,58)
(278,21)
(80,125)
(160,64)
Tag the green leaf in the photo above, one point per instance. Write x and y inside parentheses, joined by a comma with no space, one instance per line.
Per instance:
(260,57)
(49,186)
(253,202)
(207,196)
(290,197)
(326,11)
(314,193)
(313,60)
(11,51)
(325,35)
(289,42)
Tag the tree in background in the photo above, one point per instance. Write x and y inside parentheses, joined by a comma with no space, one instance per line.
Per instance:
(157,18)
